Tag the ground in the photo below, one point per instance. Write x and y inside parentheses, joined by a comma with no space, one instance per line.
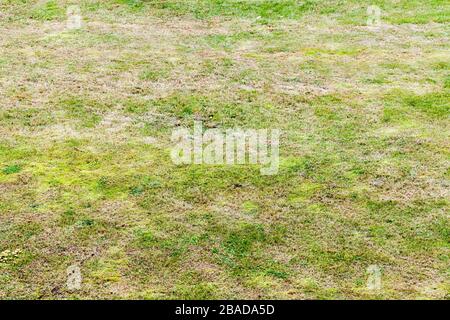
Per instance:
(86,178)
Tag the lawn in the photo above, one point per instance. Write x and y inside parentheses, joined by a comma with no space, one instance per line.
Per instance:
(86,177)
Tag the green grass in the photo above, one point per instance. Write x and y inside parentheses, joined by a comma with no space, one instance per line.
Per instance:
(47,10)
(272,9)
(86,176)
(11,169)
(433,104)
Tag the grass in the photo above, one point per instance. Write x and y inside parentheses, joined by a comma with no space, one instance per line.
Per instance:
(86,178)
(11,169)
